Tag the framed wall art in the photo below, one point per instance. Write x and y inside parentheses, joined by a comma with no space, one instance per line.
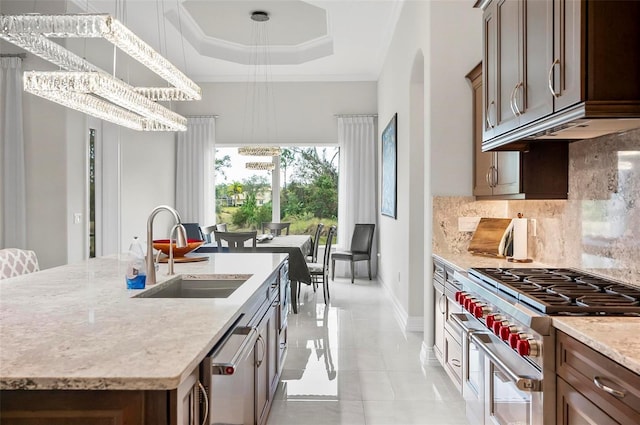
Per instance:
(389,205)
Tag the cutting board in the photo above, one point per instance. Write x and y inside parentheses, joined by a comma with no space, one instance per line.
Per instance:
(488,235)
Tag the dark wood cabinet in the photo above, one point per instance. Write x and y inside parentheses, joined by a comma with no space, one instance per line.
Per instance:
(593,389)
(555,69)
(541,171)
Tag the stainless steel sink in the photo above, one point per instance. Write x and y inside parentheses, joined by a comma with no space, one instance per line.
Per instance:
(196,286)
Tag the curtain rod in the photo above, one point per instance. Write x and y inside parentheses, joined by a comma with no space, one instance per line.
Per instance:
(13,55)
(355,115)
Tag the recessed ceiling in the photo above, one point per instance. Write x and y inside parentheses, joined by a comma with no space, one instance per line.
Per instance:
(326,40)
(291,22)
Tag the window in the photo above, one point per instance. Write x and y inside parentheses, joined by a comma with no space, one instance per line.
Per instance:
(306,187)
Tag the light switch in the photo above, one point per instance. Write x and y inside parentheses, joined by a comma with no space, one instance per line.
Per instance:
(77,218)
(468,224)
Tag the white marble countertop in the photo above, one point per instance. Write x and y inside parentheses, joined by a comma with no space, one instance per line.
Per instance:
(78,327)
(614,337)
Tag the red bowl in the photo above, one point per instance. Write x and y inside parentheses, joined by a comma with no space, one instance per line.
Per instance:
(163,245)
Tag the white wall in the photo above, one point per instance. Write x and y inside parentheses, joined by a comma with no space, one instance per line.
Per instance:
(394,95)
(304,111)
(448,34)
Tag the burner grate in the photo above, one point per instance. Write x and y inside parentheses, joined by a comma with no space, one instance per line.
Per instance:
(563,291)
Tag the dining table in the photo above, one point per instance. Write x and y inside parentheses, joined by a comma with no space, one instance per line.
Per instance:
(297,246)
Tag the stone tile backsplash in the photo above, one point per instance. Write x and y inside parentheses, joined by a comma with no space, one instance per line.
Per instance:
(596,229)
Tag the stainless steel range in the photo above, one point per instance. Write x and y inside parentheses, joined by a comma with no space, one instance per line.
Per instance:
(508,343)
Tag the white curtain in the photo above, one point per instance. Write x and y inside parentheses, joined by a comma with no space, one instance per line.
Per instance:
(195,171)
(14,203)
(357,195)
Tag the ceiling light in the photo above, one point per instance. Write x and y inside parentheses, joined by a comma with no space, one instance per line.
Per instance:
(259,103)
(30,32)
(268,166)
(260,150)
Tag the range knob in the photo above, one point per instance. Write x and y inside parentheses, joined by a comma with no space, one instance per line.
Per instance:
(480,310)
(506,330)
(498,325)
(528,347)
(468,301)
(462,296)
(514,338)
(491,319)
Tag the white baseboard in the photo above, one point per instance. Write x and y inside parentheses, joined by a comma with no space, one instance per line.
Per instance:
(407,323)
(428,356)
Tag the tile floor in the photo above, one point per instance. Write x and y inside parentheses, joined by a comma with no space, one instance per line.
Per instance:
(350,363)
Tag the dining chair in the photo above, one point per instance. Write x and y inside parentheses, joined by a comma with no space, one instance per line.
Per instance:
(320,271)
(207,231)
(193,231)
(361,243)
(236,240)
(276,228)
(16,262)
(313,258)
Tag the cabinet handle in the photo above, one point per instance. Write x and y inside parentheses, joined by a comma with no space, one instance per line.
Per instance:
(551,89)
(516,110)
(455,362)
(206,403)
(494,176)
(487,176)
(512,101)
(442,298)
(607,389)
(264,350)
(489,124)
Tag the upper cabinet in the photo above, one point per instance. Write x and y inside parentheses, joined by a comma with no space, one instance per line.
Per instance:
(541,171)
(557,69)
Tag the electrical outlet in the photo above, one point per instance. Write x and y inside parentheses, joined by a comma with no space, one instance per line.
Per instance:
(468,224)
(534,227)
(77,218)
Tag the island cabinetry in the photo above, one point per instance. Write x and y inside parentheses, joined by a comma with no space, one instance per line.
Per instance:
(448,340)
(593,389)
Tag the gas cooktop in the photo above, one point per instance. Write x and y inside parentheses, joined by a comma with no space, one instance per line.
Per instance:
(562,291)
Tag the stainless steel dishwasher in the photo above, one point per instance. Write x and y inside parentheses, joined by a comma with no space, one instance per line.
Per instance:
(229,371)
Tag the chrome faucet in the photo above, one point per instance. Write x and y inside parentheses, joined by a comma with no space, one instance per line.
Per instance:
(181,241)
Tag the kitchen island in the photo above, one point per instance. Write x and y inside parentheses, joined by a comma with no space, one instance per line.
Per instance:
(77,328)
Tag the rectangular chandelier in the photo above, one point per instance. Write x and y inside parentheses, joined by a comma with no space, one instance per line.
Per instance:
(31,33)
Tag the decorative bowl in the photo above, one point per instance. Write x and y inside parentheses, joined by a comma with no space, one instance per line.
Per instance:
(163,245)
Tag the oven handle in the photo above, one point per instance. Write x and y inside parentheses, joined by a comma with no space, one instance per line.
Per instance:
(229,367)
(523,383)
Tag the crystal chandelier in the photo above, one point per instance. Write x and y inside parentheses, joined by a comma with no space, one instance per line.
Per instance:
(87,88)
(268,166)
(260,150)
(259,99)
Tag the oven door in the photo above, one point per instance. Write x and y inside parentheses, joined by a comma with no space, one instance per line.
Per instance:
(512,386)
(472,366)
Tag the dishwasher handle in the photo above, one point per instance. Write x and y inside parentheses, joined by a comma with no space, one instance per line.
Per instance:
(221,364)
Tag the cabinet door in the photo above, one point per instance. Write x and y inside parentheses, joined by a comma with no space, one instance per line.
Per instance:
(572,408)
(509,62)
(440,312)
(266,366)
(453,358)
(567,63)
(482,160)
(507,174)
(489,73)
(532,99)
(187,410)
